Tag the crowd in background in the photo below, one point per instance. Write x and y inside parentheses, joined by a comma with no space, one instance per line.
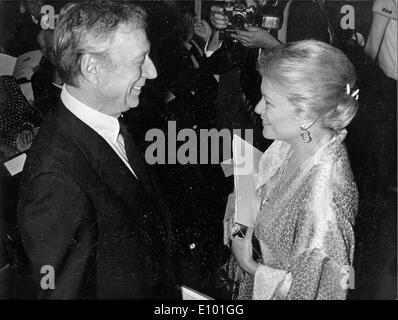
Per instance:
(198,90)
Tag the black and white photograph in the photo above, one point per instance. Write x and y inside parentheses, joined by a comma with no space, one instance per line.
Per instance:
(172,150)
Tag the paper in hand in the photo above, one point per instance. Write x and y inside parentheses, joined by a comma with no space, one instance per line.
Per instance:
(15,165)
(230,207)
(26,63)
(190,294)
(27,91)
(227,167)
(7,64)
(246,159)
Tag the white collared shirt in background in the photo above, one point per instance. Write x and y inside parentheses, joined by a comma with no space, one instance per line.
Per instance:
(106,126)
(387,55)
(209,53)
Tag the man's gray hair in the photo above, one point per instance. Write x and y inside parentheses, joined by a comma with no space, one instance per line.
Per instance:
(88,27)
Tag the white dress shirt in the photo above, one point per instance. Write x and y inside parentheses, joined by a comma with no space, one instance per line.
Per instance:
(387,55)
(106,126)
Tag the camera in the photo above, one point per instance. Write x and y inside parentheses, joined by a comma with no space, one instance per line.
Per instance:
(238,14)
(268,16)
(271,17)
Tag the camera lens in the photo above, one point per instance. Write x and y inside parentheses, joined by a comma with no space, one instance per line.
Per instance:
(238,20)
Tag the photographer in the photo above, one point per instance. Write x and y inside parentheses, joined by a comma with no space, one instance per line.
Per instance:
(26,29)
(233,56)
(301,20)
(239,48)
(252,37)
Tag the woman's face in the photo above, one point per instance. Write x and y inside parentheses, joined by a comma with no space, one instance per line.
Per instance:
(277,114)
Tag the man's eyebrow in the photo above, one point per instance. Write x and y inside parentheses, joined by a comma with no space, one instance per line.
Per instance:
(144,53)
(268,98)
(141,56)
(148,48)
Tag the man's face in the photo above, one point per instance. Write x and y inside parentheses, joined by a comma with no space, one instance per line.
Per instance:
(130,66)
(34,7)
(46,43)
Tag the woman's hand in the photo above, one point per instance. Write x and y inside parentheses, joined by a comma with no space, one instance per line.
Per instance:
(229,229)
(203,30)
(229,220)
(242,249)
(255,37)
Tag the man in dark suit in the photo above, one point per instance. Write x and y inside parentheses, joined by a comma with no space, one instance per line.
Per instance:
(92,219)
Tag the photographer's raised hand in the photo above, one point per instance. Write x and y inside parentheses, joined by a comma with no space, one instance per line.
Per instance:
(203,30)
(255,37)
(218,19)
(187,22)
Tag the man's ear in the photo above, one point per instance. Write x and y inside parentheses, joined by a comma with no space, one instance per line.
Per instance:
(90,68)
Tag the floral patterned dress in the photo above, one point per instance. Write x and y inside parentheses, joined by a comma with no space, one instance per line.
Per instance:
(15,112)
(305,226)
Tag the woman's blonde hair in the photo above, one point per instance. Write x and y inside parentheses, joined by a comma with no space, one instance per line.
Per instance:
(313,76)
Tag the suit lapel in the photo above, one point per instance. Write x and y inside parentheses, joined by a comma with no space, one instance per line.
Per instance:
(109,167)
(103,159)
(137,162)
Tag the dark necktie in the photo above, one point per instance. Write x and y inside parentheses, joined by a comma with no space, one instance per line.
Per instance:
(127,140)
(135,159)
(133,153)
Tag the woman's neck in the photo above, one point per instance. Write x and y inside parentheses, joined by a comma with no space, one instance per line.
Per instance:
(302,151)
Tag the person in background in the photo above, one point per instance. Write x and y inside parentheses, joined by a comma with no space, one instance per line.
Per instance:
(382,39)
(46,83)
(306,188)
(302,20)
(18,120)
(377,160)
(193,188)
(27,28)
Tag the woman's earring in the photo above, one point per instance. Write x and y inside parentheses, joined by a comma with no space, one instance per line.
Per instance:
(305,134)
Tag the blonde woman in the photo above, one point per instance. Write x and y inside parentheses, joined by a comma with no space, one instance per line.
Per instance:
(308,195)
